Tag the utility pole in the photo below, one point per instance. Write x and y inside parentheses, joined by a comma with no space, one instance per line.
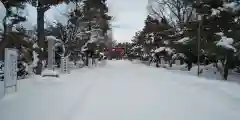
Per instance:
(199,42)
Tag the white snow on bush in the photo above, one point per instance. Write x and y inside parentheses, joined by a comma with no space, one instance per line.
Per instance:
(136,47)
(183,40)
(145,55)
(234,6)
(160,49)
(181,32)
(226,43)
(167,49)
(1,68)
(178,56)
(215,12)
(220,33)
(165,42)
(14,29)
(35,45)
(35,59)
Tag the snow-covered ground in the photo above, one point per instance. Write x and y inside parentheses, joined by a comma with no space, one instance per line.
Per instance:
(122,90)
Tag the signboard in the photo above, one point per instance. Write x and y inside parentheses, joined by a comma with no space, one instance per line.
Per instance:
(10,68)
(64,65)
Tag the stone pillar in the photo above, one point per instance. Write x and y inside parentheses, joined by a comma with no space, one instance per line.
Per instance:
(51,53)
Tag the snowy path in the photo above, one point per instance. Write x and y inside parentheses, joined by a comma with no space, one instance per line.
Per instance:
(123,91)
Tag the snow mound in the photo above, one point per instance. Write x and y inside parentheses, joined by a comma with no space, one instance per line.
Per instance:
(51,73)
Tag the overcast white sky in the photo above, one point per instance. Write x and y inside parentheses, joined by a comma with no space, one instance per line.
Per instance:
(128,15)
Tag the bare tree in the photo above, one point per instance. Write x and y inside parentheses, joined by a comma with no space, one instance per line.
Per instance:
(177,12)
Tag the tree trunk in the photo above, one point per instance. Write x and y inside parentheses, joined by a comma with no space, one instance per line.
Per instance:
(86,62)
(40,35)
(170,63)
(189,65)
(4,42)
(226,66)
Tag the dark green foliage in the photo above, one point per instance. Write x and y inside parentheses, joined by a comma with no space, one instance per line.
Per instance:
(217,16)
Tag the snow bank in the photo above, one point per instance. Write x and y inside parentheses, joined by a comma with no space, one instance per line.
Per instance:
(48,72)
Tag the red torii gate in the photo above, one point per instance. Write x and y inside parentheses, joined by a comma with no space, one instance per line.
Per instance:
(116,50)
